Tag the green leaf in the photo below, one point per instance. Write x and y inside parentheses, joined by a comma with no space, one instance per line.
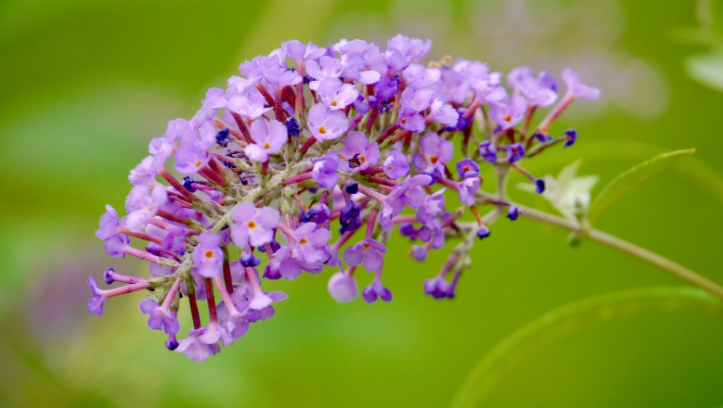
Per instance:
(627,181)
(706,69)
(566,320)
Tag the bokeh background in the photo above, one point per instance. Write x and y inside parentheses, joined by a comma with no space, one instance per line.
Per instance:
(84,85)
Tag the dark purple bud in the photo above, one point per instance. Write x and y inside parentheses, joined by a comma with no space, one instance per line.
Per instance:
(274,247)
(272,273)
(386,88)
(361,106)
(369,295)
(292,125)
(250,260)
(515,152)
(309,216)
(307,79)
(188,184)
(542,137)
(570,137)
(408,230)
(483,232)
(349,217)
(352,188)
(373,102)
(222,137)
(172,343)
(488,151)
(513,213)
(109,276)
(540,185)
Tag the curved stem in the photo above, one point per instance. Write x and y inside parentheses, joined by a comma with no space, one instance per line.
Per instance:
(669,266)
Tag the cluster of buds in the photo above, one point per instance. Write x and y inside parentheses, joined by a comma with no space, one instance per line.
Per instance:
(347,134)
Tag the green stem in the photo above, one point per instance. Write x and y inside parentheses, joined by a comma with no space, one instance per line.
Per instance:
(667,265)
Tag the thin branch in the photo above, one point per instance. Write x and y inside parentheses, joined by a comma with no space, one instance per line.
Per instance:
(673,268)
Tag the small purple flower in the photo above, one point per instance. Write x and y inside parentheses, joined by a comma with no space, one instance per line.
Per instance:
(576,88)
(349,217)
(311,244)
(407,229)
(95,304)
(419,253)
(508,112)
(515,152)
(467,188)
(250,105)
(488,151)
(336,95)
(433,205)
(318,214)
(142,204)
(253,225)
(570,137)
(352,188)
(195,349)
(268,139)
(327,67)
(359,152)
(376,289)
(325,124)
(396,165)
(467,168)
(436,287)
(513,213)
(386,88)
(409,192)
(432,232)
(541,137)
(190,158)
(369,251)
(412,49)
(174,241)
(410,119)
(301,53)
(109,232)
(483,232)
(324,171)
(435,151)
(444,113)
(208,255)
(342,287)
(416,100)
(417,76)
(158,317)
(539,91)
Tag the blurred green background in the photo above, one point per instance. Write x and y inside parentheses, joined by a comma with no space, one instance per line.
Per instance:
(84,85)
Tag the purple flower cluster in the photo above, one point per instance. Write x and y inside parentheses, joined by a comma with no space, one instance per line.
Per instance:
(286,164)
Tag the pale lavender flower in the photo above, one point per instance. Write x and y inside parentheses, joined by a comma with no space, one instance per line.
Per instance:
(466,190)
(396,165)
(251,105)
(194,348)
(417,76)
(142,204)
(327,67)
(311,244)
(432,206)
(190,158)
(158,317)
(109,232)
(435,151)
(409,192)
(208,256)
(509,111)
(412,49)
(95,304)
(325,124)
(324,171)
(488,151)
(444,113)
(268,139)
(576,88)
(539,91)
(254,226)
(368,251)
(301,53)
(336,95)
(376,289)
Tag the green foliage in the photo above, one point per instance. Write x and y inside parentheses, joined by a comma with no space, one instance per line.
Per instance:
(565,321)
(627,181)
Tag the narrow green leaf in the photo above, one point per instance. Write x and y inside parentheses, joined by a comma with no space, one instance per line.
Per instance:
(627,181)
(566,320)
